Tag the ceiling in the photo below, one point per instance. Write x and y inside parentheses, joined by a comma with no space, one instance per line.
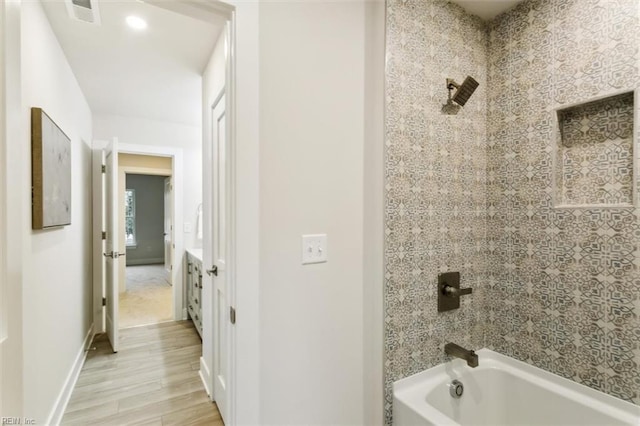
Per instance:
(153,73)
(486,9)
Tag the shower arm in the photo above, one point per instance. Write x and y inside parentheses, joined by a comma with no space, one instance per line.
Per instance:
(451,84)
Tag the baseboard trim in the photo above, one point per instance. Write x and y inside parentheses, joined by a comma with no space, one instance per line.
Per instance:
(205,376)
(55,417)
(152,261)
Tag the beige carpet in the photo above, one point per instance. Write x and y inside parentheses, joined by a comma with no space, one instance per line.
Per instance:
(148,298)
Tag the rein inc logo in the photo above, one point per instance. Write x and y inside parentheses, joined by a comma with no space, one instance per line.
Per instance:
(16,421)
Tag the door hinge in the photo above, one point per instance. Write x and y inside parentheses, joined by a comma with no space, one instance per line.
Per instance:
(104,301)
(104,235)
(232,314)
(104,168)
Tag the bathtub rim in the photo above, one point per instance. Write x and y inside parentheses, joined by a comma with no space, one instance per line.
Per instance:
(404,389)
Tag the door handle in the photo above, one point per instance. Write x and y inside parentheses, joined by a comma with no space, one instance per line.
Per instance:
(213,270)
(113,254)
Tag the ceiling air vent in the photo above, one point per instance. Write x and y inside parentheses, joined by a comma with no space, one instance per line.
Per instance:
(84,10)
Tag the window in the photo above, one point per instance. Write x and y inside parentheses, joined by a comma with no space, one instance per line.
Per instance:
(130,217)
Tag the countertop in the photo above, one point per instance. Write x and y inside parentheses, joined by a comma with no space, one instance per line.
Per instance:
(196,252)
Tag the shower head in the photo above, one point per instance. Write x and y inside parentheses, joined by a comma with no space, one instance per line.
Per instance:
(464,90)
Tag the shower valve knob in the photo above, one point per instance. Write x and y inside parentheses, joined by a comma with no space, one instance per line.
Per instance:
(455,292)
(449,291)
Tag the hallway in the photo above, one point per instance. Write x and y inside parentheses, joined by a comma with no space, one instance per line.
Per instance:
(153,380)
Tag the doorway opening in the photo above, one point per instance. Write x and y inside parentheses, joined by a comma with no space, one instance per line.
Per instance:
(203,166)
(146,227)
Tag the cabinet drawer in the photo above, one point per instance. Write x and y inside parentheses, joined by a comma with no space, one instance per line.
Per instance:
(196,302)
(194,291)
(191,311)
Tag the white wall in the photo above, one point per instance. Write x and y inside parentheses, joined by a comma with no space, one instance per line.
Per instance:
(312,120)
(142,131)
(57,289)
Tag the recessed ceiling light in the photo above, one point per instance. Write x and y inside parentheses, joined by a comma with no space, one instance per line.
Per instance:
(136,22)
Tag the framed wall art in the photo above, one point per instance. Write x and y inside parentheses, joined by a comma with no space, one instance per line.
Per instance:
(50,172)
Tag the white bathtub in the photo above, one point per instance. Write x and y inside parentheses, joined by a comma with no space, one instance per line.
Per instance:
(503,391)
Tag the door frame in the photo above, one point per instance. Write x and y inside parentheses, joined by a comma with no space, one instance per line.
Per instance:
(168,220)
(3,203)
(4,178)
(123,171)
(12,220)
(98,226)
(177,165)
(176,154)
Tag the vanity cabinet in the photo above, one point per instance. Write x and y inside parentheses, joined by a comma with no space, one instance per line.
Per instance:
(194,270)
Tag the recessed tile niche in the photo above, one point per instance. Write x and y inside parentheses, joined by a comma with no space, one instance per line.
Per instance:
(595,153)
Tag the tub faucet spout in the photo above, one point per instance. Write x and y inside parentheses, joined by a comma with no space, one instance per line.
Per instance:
(459,352)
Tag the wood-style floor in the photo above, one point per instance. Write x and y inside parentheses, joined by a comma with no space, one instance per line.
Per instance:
(152,380)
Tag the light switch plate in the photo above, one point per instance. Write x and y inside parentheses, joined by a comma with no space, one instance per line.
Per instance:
(314,248)
(187,227)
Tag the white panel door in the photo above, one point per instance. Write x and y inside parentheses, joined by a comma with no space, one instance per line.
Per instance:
(168,228)
(111,251)
(219,228)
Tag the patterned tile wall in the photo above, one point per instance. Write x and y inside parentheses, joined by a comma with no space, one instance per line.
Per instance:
(556,287)
(564,283)
(435,169)
(595,153)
